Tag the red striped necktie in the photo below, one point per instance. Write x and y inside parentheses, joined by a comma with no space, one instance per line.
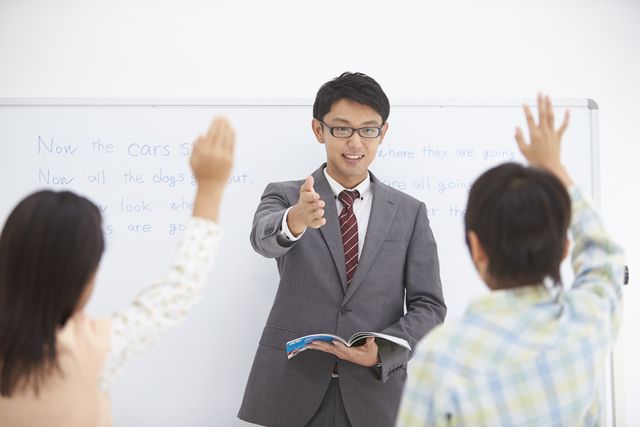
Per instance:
(349,229)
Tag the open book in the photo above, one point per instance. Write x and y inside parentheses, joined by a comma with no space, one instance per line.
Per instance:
(299,344)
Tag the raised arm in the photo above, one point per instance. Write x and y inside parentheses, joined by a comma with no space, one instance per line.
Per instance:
(166,303)
(597,261)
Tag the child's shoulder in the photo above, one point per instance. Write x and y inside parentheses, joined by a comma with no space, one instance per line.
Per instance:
(86,336)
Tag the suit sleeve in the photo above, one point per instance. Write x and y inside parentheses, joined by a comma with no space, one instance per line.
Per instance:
(266,232)
(424,299)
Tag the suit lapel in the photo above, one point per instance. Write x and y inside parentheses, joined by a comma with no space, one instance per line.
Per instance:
(331,230)
(383,211)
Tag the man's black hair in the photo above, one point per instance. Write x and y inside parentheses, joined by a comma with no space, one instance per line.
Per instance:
(357,87)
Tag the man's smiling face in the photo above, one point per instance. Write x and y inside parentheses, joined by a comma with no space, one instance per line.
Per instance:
(348,159)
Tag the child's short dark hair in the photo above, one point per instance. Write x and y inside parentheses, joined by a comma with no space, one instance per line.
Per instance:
(50,247)
(521,216)
(357,87)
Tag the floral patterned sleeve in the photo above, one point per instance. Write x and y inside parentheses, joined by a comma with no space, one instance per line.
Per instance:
(166,303)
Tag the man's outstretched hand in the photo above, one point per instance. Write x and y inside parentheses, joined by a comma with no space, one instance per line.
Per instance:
(309,210)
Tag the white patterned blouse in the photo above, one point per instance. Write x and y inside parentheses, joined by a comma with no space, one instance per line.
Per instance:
(166,303)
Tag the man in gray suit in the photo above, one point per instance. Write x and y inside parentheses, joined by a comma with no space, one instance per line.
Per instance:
(348,262)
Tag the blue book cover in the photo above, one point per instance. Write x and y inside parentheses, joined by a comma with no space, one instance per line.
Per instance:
(300,344)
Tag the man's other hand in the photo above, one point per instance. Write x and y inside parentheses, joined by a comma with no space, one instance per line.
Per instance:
(365,355)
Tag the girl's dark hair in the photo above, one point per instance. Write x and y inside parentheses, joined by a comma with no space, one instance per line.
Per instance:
(357,87)
(521,216)
(49,249)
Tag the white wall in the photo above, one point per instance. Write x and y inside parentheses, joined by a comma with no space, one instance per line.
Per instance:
(415,49)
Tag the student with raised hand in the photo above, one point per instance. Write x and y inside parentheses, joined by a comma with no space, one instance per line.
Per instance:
(526,354)
(56,362)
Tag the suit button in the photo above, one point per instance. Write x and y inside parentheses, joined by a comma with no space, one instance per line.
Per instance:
(344,310)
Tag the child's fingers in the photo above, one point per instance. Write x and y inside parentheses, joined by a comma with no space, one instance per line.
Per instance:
(197,144)
(530,121)
(564,124)
(214,129)
(550,116)
(228,140)
(542,111)
(522,144)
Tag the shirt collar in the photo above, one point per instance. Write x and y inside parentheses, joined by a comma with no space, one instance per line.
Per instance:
(364,188)
(510,299)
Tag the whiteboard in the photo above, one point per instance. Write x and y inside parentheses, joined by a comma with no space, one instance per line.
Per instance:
(130,157)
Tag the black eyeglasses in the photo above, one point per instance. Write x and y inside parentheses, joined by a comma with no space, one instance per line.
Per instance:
(346,132)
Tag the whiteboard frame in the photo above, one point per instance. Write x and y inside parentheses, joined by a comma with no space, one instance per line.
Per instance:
(221,102)
(613,392)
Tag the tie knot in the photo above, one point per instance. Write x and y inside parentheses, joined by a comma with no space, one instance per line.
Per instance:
(347,197)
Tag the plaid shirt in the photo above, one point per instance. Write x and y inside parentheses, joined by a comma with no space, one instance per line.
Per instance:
(524,357)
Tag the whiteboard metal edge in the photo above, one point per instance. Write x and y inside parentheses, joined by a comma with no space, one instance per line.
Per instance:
(615,408)
(153,102)
(489,102)
(609,412)
(198,102)
(615,362)
(595,147)
(617,382)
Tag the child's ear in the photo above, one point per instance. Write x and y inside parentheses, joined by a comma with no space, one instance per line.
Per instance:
(479,256)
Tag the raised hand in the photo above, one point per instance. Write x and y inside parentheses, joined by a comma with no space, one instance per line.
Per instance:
(212,155)
(308,212)
(544,149)
(211,162)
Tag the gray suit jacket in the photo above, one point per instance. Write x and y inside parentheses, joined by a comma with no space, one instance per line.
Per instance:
(399,255)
